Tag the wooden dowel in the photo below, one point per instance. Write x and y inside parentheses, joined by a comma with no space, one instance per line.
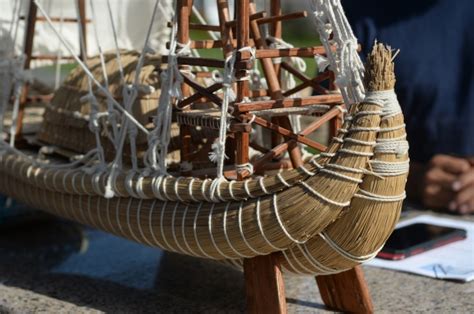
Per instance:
(253,17)
(276,25)
(306,52)
(28,51)
(331,99)
(208,44)
(58,19)
(202,74)
(199,27)
(226,32)
(319,122)
(335,124)
(202,90)
(273,153)
(259,147)
(303,52)
(293,149)
(209,62)
(284,17)
(50,57)
(314,83)
(267,64)
(197,96)
(286,132)
(83,25)
(307,81)
(290,68)
(259,93)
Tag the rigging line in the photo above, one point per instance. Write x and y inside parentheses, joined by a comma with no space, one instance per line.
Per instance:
(110,110)
(117,50)
(93,122)
(14,21)
(118,57)
(99,46)
(129,96)
(19,79)
(89,74)
(146,48)
(17,23)
(57,76)
(133,92)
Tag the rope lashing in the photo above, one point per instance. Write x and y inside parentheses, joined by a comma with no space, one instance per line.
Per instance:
(129,94)
(330,19)
(171,81)
(218,147)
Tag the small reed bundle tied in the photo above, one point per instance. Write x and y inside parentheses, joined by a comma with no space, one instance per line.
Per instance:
(66,118)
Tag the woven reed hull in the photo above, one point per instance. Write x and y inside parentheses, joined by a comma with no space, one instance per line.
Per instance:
(253,227)
(289,221)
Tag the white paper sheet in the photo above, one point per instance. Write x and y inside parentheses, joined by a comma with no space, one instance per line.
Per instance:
(453,261)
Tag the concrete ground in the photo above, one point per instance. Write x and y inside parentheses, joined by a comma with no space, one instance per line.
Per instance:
(52,266)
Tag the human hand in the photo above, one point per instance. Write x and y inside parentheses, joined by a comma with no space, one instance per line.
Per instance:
(463,186)
(438,190)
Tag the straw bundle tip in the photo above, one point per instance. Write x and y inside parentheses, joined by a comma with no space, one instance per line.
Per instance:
(380,74)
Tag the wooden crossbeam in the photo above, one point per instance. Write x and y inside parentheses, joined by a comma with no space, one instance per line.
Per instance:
(334,112)
(283,17)
(252,17)
(331,99)
(285,132)
(202,90)
(199,27)
(306,81)
(307,52)
(183,104)
(206,62)
(208,44)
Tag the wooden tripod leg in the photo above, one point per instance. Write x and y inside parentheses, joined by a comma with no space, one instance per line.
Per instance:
(264,286)
(346,291)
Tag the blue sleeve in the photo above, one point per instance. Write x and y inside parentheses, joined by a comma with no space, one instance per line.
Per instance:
(435,70)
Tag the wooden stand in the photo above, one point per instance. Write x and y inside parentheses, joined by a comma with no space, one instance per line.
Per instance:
(264,281)
(264,285)
(346,291)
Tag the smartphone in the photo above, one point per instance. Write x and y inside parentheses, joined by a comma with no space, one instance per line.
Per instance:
(417,238)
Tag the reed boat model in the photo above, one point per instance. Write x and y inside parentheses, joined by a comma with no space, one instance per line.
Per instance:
(118,114)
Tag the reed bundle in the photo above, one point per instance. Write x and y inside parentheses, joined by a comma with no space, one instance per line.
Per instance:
(67,116)
(295,212)
(365,225)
